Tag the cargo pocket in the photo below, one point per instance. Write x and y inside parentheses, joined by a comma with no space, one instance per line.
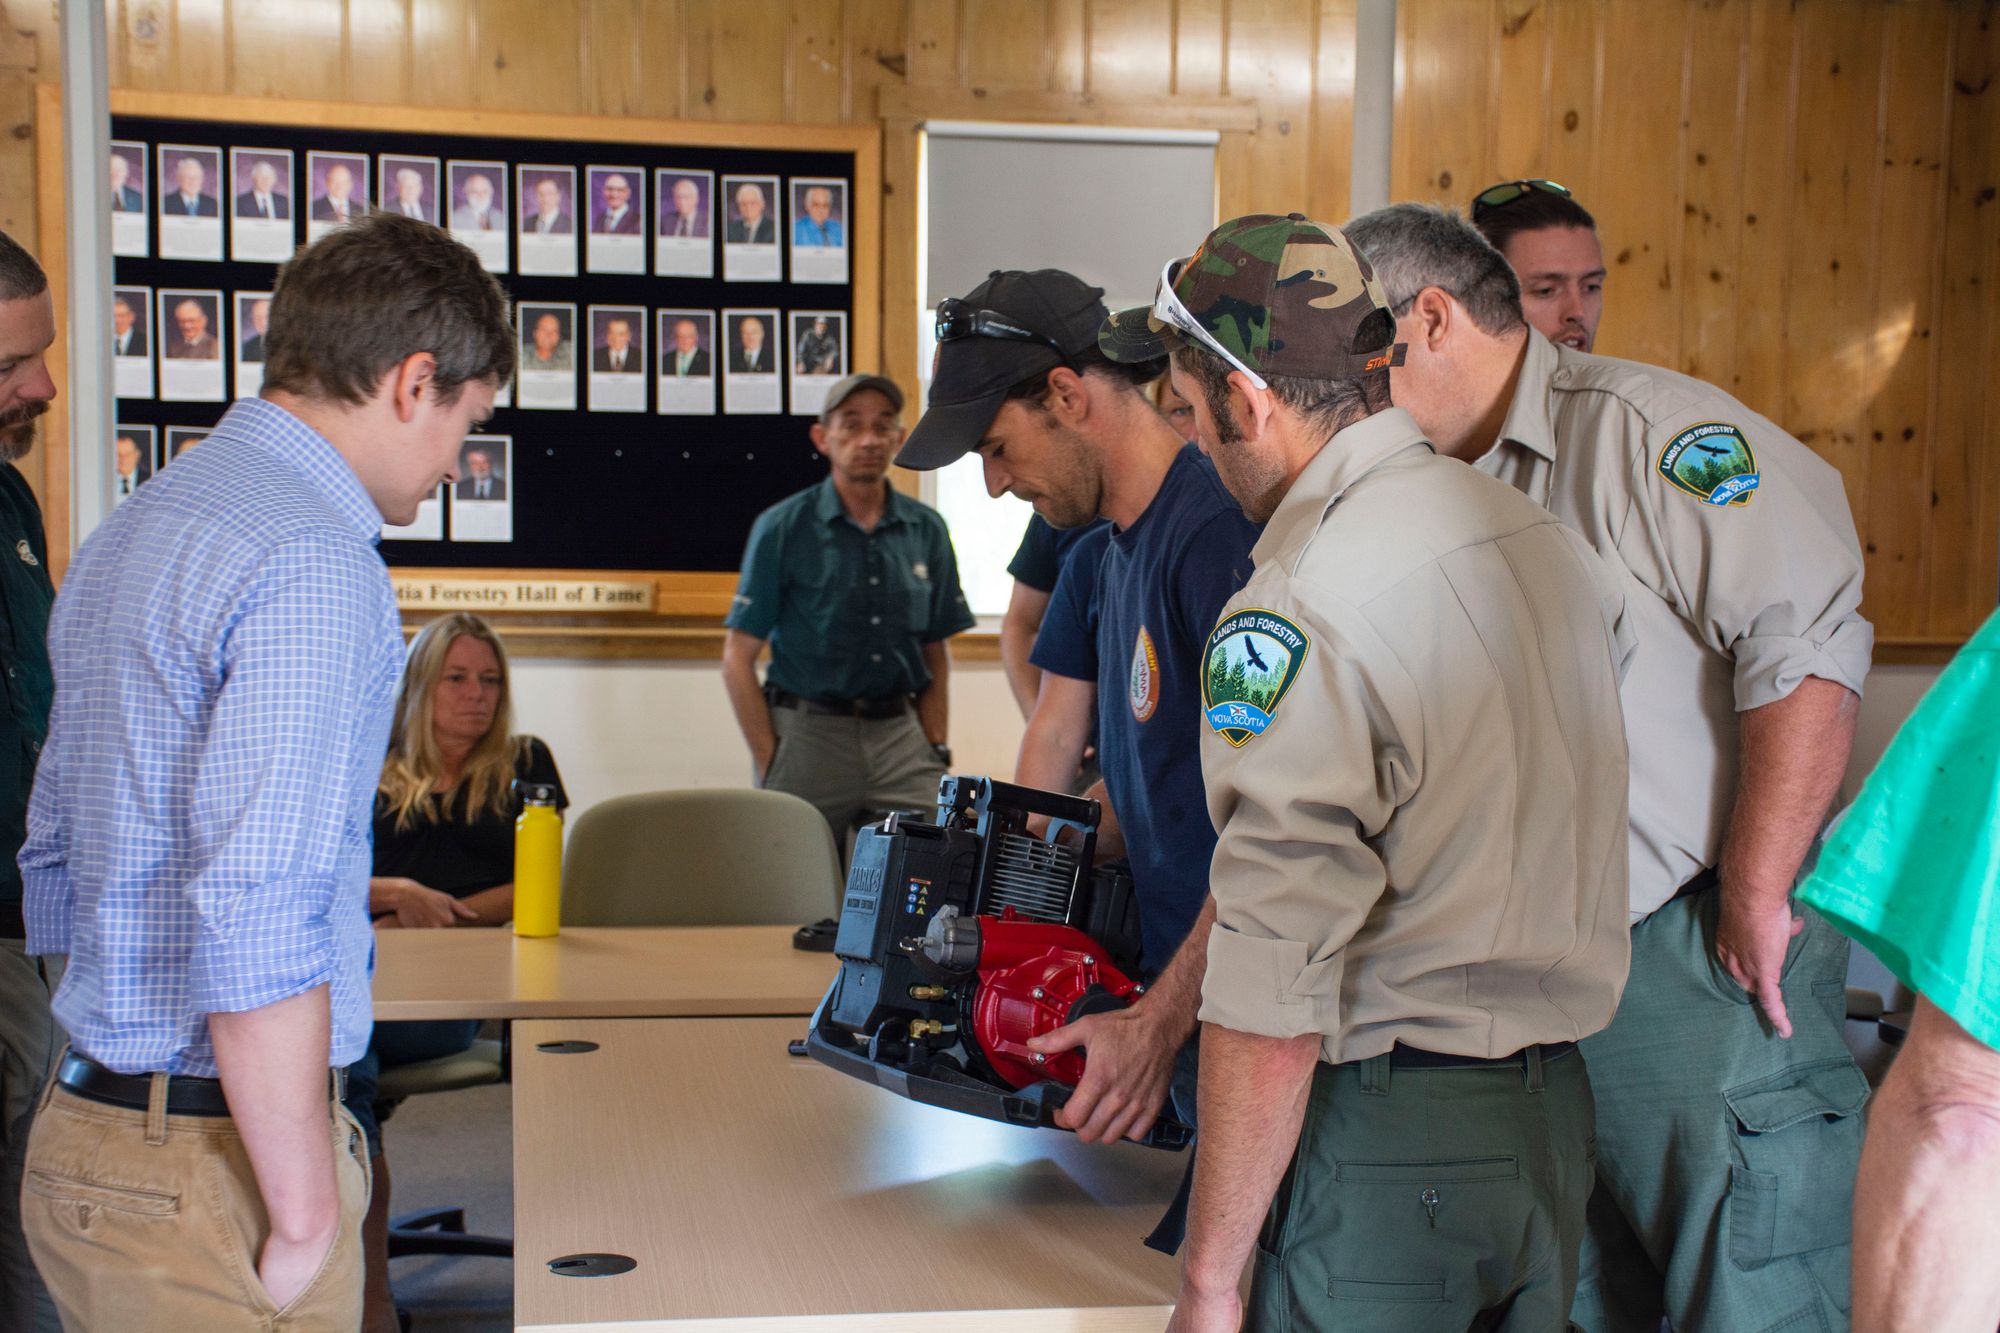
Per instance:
(1782,1200)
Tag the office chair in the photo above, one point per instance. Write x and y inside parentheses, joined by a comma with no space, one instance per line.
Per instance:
(701,857)
(442,1230)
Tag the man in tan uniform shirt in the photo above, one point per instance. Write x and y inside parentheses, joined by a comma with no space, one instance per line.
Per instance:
(1728,1131)
(1415,762)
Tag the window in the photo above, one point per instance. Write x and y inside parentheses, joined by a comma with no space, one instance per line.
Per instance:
(1109,205)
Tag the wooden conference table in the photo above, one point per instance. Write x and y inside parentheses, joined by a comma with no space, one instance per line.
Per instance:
(597,972)
(758,1190)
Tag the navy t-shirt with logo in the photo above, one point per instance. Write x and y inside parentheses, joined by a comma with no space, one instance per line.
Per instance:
(1158,591)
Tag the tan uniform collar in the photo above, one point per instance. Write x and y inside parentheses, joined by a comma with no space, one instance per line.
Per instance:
(1527,421)
(1347,458)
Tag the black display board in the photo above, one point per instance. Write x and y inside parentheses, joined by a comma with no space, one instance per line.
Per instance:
(590,490)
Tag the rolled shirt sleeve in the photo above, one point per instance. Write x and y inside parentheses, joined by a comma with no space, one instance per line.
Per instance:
(755,609)
(1772,579)
(1295,872)
(268,809)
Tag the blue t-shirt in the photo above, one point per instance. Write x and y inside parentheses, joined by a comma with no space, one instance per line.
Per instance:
(1044,549)
(1159,589)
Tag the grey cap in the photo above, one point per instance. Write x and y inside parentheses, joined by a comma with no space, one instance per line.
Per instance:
(853,384)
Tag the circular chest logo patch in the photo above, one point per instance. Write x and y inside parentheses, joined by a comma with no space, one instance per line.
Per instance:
(1142,687)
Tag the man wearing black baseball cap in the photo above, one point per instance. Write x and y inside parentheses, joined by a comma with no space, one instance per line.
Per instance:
(855,586)
(1020,380)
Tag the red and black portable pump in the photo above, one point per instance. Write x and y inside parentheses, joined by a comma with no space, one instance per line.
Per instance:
(960,940)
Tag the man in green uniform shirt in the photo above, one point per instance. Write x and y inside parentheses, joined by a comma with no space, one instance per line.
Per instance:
(1727,1125)
(855,587)
(1912,872)
(28,1036)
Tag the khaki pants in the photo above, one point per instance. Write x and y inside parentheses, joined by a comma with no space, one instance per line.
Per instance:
(1725,1154)
(852,768)
(29,1040)
(1430,1201)
(155,1222)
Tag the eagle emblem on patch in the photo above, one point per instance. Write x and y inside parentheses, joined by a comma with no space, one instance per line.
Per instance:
(1251,660)
(1713,463)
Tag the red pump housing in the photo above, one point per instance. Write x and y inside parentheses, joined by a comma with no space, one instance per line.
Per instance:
(1033,978)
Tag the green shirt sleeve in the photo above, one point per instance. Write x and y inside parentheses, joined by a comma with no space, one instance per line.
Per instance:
(949,613)
(755,610)
(1911,869)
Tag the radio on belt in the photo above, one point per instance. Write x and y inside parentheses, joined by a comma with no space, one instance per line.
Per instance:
(961,939)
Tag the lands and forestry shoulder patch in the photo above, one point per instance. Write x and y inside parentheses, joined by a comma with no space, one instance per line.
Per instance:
(1713,463)
(1252,658)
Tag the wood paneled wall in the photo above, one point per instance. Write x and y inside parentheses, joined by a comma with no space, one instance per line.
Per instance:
(1797,196)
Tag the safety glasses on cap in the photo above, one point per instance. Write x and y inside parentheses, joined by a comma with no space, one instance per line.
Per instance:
(1167,308)
(956,319)
(1506,192)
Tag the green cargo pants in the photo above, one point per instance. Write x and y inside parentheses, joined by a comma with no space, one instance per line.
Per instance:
(1430,1200)
(1725,1155)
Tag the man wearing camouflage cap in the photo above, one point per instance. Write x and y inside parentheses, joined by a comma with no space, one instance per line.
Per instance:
(1729,1125)
(1415,762)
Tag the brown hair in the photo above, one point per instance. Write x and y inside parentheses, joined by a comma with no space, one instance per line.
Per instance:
(20,276)
(351,307)
(1330,406)
(1534,210)
(411,775)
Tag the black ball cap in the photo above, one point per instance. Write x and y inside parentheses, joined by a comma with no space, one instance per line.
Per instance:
(972,374)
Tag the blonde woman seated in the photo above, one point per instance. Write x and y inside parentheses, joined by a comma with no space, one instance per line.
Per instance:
(444,816)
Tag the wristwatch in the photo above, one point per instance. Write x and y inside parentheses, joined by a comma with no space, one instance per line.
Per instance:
(943,753)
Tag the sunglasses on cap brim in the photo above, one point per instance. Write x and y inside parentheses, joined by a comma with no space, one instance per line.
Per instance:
(1507,192)
(1167,308)
(956,319)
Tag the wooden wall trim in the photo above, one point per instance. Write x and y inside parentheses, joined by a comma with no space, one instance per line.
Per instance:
(485,121)
(57,512)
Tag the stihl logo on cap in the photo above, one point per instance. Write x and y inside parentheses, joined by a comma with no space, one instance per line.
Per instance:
(1387,358)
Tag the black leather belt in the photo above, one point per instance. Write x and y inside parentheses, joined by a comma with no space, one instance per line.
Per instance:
(186,1095)
(888,705)
(1707,879)
(1409,1057)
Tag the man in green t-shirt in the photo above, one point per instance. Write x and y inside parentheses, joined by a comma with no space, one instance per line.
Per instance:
(1911,872)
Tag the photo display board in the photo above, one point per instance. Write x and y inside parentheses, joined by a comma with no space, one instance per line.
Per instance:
(680,311)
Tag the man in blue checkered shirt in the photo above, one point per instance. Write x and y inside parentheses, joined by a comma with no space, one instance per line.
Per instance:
(226,648)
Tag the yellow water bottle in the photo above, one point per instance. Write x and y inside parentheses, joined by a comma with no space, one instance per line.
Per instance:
(538,863)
